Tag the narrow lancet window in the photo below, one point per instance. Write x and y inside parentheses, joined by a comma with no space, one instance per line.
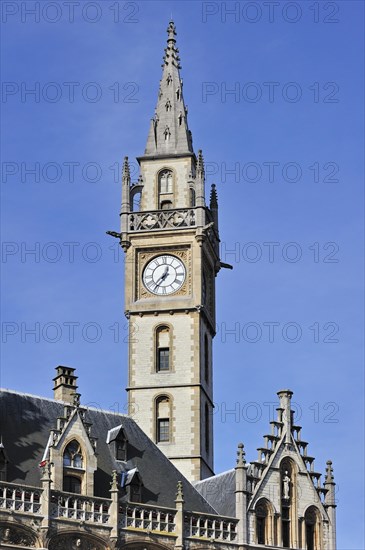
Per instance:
(162,349)
(163,420)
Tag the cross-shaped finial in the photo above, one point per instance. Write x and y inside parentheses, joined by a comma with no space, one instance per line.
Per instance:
(241,461)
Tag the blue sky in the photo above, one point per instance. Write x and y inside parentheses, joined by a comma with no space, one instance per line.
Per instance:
(291,213)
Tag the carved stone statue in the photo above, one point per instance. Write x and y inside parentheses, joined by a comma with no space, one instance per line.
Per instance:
(286,485)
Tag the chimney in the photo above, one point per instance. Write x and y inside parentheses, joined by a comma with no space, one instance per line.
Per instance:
(65,388)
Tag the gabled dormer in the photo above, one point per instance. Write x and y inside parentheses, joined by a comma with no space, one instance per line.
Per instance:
(71,449)
(132,484)
(118,444)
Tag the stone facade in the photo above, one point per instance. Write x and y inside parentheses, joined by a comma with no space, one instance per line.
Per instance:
(174,220)
(138,499)
(74,477)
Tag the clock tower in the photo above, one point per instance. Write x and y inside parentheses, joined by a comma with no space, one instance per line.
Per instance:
(170,237)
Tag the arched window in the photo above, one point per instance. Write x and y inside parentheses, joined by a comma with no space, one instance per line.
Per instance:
(163,417)
(165,190)
(312,520)
(165,182)
(135,195)
(264,517)
(136,201)
(72,457)
(73,464)
(162,349)
(261,521)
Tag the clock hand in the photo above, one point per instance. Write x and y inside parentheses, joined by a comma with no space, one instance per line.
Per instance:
(163,277)
(165,273)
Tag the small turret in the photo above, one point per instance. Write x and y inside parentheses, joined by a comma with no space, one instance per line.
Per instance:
(241,494)
(125,208)
(330,504)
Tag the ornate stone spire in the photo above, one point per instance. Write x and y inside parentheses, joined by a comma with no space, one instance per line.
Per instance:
(213,198)
(330,504)
(169,133)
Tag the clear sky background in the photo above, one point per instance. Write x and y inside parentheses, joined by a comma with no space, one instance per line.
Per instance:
(293,131)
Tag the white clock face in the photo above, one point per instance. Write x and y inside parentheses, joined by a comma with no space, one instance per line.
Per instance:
(164,275)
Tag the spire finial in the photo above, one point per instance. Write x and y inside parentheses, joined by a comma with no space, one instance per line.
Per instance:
(76,400)
(46,473)
(114,481)
(329,472)
(241,461)
(126,171)
(179,493)
(171,30)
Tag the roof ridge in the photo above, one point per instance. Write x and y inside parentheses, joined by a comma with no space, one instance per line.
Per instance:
(89,408)
(213,477)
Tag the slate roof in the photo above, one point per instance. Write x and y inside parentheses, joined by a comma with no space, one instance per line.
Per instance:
(219,491)
(25,423)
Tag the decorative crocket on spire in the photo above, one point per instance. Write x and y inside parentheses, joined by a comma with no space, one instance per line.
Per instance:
(169,133)
(200,164)
(126,175)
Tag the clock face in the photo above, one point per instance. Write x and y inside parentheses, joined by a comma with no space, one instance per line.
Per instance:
(164,275)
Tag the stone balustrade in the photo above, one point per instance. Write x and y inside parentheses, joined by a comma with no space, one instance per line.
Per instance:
(129,517)
(210,527)
(22,498)
(80,508)
(148,518)
(161,219)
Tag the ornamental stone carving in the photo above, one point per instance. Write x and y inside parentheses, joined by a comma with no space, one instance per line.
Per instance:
(163,219)
(74,542)
(13,535)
